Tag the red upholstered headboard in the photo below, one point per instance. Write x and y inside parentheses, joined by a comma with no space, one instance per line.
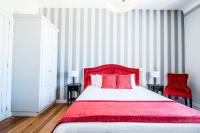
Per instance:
(109,69)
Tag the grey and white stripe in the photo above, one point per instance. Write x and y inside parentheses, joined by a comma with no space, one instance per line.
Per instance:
(166,46)
(149,39)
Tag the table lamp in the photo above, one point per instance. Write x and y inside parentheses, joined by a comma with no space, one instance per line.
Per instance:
(74,74)
(154,75)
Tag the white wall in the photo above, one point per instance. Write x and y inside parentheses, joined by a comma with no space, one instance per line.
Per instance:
(192,52)
(19,6)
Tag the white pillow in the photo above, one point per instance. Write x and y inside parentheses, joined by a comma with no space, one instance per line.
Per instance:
(133,81)
(96,80)
(93,80)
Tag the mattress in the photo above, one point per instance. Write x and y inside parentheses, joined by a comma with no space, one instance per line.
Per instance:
(138,93)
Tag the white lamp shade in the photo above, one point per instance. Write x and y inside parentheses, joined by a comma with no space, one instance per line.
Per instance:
(74,73)
(121,5)
(155,74)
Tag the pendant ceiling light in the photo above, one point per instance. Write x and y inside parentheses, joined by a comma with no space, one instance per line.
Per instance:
(119,6)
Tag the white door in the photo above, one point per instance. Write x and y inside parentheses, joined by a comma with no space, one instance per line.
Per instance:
(5,68)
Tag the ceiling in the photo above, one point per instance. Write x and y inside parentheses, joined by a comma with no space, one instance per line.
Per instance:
(141,4)
(31,6)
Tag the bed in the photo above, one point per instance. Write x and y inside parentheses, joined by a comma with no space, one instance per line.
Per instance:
(135,110)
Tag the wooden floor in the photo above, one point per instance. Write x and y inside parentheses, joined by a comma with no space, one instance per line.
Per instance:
(44,123)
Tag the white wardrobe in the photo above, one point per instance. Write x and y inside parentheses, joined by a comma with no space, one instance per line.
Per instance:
(6,38)
(34,80)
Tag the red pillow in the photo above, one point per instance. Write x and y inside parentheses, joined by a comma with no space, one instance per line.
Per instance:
(109,81)
(124,82)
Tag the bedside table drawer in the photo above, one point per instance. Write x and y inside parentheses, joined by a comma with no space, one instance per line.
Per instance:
(156,88)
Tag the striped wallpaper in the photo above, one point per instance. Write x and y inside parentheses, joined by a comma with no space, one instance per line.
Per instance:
(146,39)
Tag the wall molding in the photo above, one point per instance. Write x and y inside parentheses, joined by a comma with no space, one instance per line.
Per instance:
(61,101)
(196,105)
(191,7)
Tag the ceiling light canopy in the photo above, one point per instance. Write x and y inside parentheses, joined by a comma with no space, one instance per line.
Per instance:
(119,6)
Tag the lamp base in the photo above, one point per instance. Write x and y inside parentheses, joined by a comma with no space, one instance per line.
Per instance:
(154,81)
(73,80)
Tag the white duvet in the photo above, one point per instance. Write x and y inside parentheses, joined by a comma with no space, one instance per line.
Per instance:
(138,93)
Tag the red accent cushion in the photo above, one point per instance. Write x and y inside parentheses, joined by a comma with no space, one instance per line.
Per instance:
(124,81)
(109,81)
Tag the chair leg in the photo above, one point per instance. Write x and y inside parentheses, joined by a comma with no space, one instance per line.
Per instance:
(191,102)
(186,101)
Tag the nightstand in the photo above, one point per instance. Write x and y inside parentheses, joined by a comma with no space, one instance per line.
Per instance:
(156,88)
(71,90)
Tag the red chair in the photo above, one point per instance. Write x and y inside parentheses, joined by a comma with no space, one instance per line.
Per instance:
(177,86)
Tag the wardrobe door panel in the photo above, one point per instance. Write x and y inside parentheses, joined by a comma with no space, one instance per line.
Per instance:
(9,66)
(3,56)
(42,68)
(48,70)
(5,65)
(54,64)
(48,59)
(1,61)
(44,64)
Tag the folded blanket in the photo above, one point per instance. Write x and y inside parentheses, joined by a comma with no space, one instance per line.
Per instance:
(130,111)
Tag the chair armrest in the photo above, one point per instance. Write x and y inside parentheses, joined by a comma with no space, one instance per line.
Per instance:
(187,89)
(166,87)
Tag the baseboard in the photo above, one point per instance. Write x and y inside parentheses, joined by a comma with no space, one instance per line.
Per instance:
(196,105)
(7,115)
(25,113)
(29,113)
(61,101)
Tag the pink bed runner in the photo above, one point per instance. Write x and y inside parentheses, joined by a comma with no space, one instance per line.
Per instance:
(130,111)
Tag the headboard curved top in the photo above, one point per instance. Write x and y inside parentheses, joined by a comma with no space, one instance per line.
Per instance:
(109,69)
